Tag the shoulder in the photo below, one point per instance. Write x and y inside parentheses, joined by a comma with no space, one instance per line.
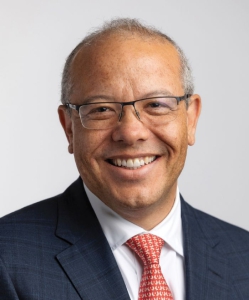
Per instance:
(40,221)
(33,221)
(42,211)
(28,227)
(29,245)
(231,238)
(31,232)
(216,251)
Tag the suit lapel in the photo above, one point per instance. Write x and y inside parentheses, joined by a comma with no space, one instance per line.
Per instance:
(206,268)
(92,269)
(88,262)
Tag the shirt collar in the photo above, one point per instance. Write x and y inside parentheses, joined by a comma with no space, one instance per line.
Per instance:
(118,230)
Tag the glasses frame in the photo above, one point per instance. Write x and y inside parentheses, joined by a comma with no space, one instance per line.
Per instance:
(77,107)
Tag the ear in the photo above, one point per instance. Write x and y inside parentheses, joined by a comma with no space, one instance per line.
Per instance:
(193,113)
(66,123)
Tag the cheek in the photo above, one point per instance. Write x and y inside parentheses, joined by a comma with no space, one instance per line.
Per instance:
(84,155)
(173,135)
(88,146)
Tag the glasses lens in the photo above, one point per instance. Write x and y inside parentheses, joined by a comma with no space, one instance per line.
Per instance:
(152,111)
(99,115)
(157,110)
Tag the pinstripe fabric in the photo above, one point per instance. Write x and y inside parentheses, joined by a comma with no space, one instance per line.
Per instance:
(56,250)
(216,257)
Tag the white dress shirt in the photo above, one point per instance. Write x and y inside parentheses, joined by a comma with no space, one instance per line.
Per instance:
(118,230)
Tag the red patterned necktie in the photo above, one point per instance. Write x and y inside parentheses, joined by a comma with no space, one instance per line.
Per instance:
(153,286)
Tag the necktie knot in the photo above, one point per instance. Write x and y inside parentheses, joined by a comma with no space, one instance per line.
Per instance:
(147,246)
(153,285)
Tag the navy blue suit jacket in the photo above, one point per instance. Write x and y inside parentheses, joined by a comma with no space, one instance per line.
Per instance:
(56,250)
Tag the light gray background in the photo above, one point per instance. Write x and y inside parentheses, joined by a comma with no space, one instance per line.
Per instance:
(35,38)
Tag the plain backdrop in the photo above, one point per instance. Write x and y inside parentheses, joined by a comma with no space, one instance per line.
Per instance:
(37,35)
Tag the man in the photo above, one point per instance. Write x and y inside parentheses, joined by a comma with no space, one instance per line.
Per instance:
(129,113)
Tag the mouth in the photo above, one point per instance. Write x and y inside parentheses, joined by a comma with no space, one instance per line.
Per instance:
(132,163)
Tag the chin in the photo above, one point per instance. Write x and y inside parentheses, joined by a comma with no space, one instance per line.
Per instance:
(134,201)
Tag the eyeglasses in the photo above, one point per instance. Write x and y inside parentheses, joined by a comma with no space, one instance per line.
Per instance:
(153,111)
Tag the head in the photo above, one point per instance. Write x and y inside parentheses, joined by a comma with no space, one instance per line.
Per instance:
(123,62)
(123,27)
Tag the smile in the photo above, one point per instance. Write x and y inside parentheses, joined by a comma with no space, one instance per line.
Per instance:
(134,163)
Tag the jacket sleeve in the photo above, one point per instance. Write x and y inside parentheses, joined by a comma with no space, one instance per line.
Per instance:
(7,289)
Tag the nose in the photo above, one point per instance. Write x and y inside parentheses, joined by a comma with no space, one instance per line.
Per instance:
(130,129)
(125,104)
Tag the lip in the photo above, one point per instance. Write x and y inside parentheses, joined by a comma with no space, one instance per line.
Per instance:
(131,174)
(131,156)
(132,163)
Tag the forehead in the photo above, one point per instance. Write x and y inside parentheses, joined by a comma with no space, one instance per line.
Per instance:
(125,60)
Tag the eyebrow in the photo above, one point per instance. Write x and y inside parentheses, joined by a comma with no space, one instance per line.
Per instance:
(163,92)
(98,97)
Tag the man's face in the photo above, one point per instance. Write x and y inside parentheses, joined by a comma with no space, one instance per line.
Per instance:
(126,70)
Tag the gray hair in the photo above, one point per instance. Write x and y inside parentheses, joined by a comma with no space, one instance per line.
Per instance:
(122,27)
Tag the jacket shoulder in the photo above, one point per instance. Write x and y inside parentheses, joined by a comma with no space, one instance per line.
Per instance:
(39,211)
(233,238)
(42,211)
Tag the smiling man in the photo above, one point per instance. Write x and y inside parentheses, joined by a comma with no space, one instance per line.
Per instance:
(122,230)
(108,139)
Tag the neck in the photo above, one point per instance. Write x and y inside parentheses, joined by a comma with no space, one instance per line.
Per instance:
(148,217)
(145,214)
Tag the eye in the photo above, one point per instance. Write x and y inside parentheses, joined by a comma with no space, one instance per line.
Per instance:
(155,104)
(98,111)
(158,103)
(159,106)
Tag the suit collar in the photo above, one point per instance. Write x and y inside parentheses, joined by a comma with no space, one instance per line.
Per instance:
(206,268)
(88,262)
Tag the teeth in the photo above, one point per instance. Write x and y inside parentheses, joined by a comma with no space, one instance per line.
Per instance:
(141,162)
(129,163)
(134,163)
(124,163)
